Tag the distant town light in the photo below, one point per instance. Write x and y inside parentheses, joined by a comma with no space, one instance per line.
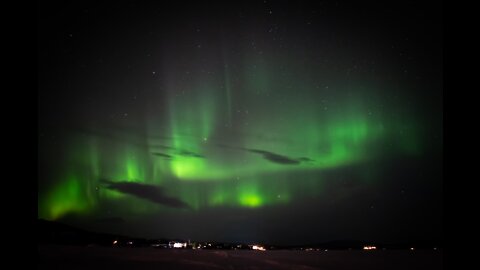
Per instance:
(369,247)
(256,247)
(179,245)
(115,242)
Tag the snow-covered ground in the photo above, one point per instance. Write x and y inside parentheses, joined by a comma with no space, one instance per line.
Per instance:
(68,257)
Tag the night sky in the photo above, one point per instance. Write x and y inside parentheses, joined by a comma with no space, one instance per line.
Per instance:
(282,122)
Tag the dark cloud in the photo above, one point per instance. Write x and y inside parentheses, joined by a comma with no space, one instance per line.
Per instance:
(270,156)
(179,152)
(190,154)
(149,192)
(162,155)
(275,158)
(279,159)
(305,159)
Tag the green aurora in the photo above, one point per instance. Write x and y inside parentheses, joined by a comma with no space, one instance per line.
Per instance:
(244,121)
(198,158)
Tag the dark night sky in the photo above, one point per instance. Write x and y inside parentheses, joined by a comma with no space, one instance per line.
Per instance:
(254,121)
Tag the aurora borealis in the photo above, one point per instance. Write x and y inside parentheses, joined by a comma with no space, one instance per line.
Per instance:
(242,121)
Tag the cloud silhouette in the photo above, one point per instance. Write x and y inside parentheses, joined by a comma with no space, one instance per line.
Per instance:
(149,192)
(273,157)
(305,159)
(162,155)
(277,158)
(178,152)
(190,154)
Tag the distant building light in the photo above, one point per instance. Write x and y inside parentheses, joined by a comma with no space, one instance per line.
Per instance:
(256,247)
(115,242)
(412,248)
(179,245)
(369,247)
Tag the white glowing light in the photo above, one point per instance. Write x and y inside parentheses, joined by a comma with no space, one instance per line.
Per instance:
(256,247)
(178,245)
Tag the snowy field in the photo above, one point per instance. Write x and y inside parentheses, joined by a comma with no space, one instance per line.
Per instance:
(68,257)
